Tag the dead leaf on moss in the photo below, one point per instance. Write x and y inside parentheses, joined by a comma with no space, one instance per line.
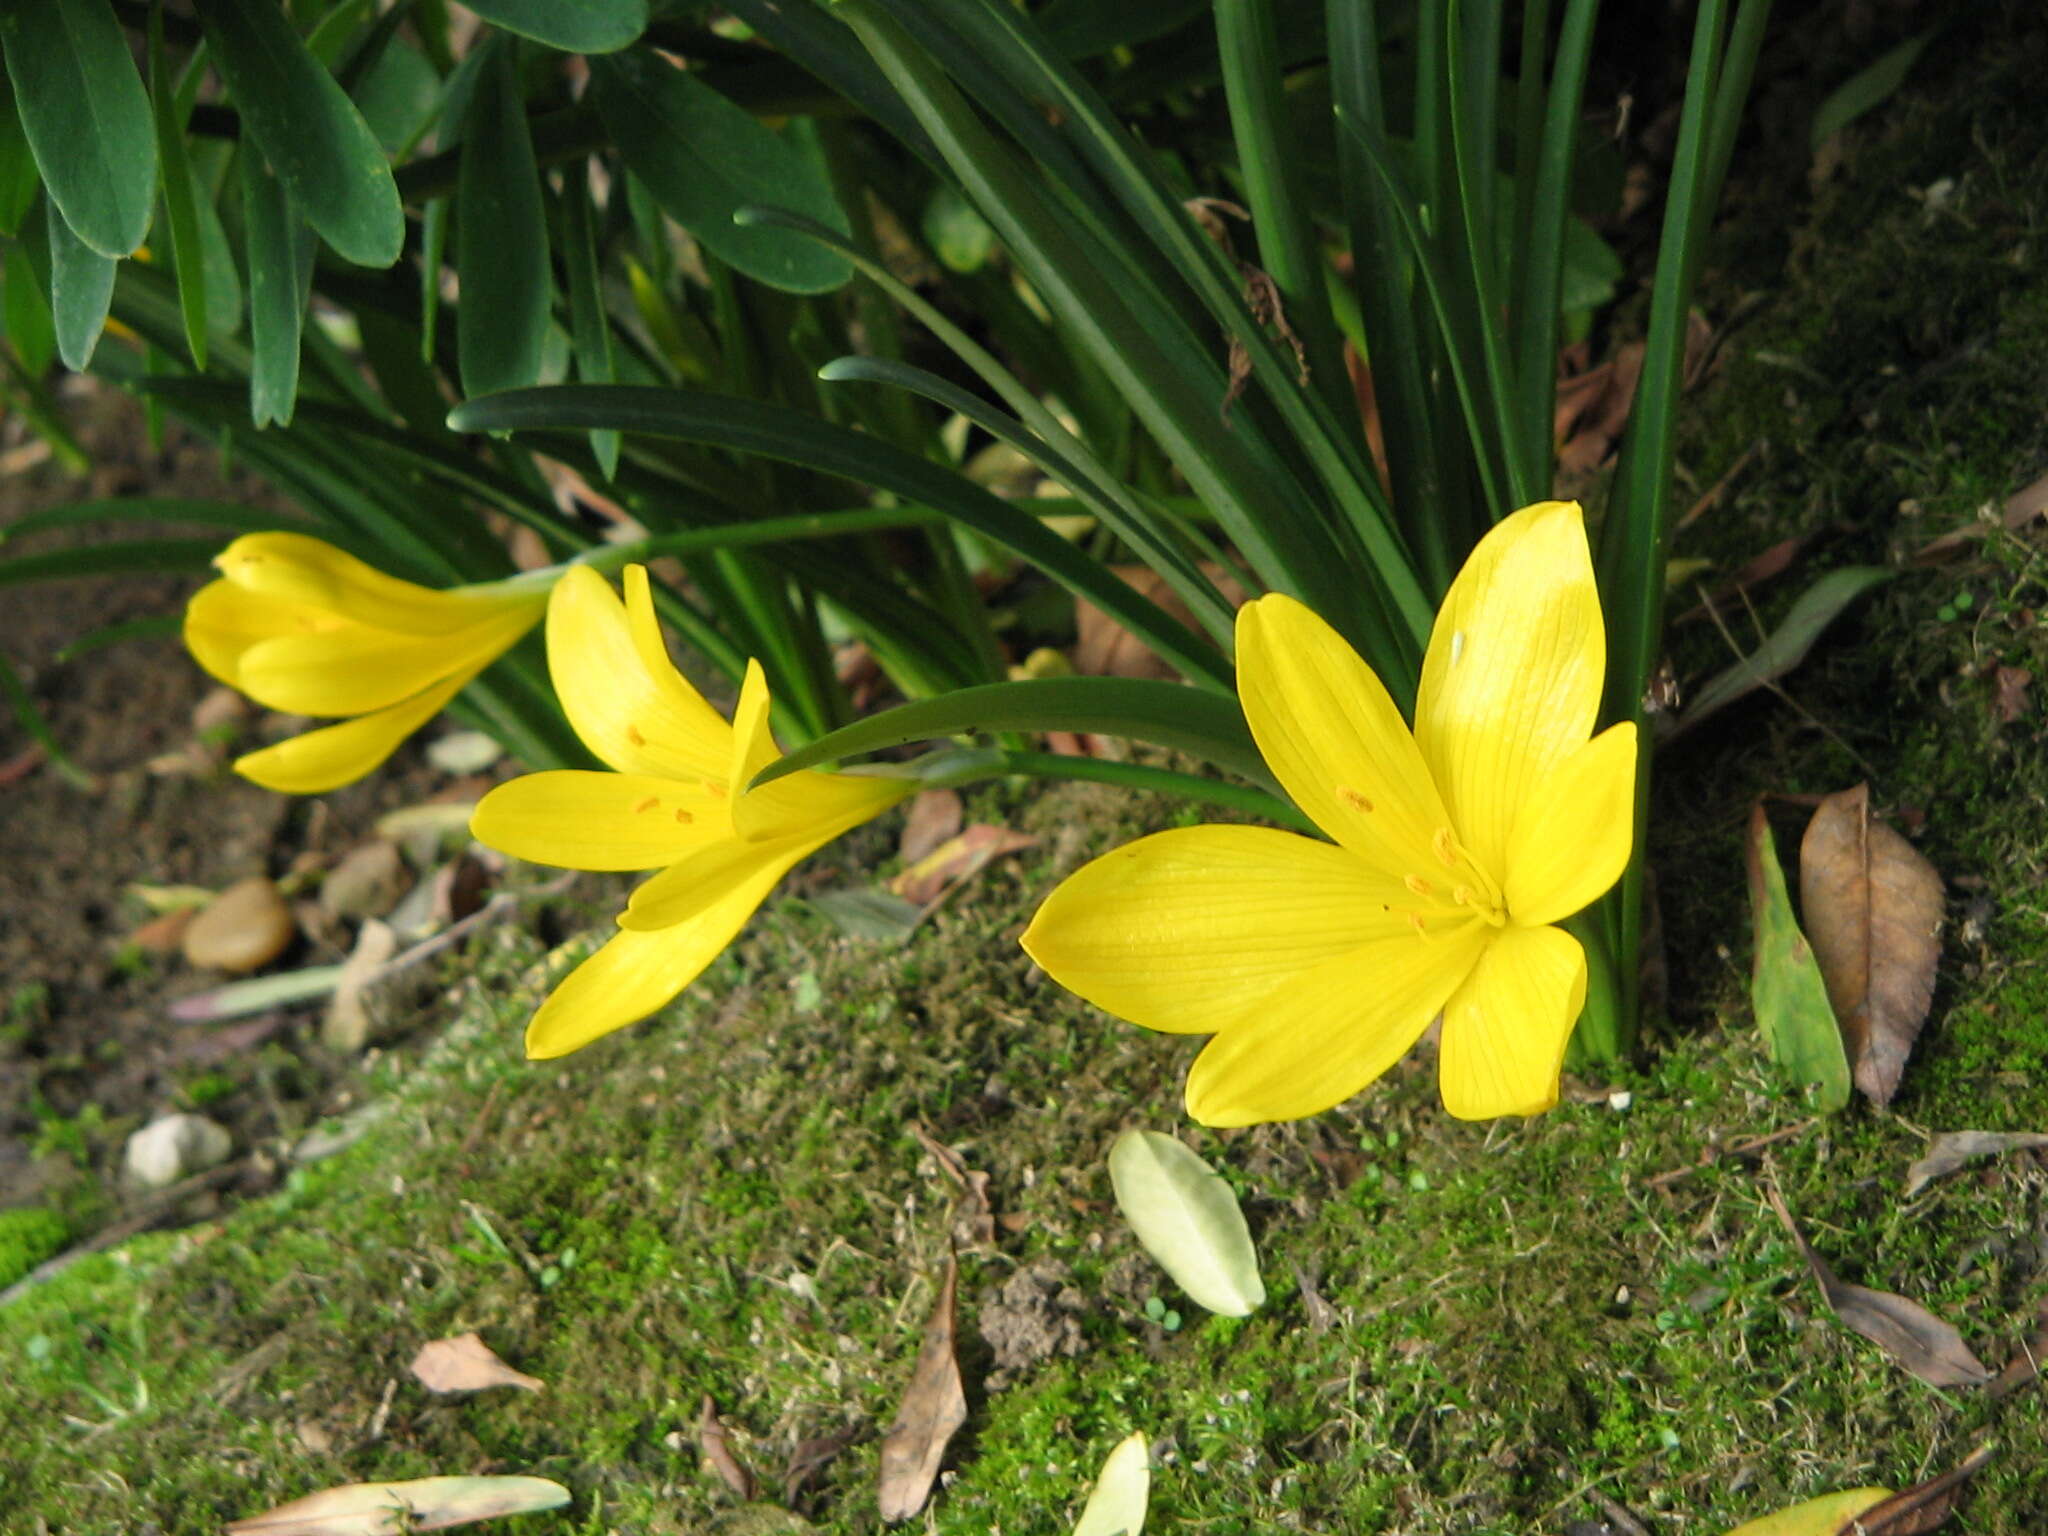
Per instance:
(2009,693)
(1872,906)
(932,1411)
(385,1509)
(956,860)
(809,1457)
(1913,1336)
(934,816)
(1951,1150)
(1921,1508)
(716,1444)
(466,1363)
(2026,1365)
(974,1215)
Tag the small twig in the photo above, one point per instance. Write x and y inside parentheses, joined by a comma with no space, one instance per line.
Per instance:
(1700,508)
(1710,1155)
(1617,1515)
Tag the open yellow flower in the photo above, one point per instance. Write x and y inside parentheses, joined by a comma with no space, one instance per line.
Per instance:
(677,802)
(300,626)
(1455,849)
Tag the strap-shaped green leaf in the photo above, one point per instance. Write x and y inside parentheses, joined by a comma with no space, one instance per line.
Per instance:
(316,141)
(1192,720)
(280,254)
(704,158)
(588,330)
(794,437)
(180,210)
(86,116)
(501,236)
(151,556)
(25,311)
(574,26)
(81,288)
(19,179)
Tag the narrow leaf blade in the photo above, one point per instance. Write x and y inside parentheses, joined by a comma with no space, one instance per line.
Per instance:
(81,289)
(1785,985)
(1116,1507)
(574,26)
(501,236)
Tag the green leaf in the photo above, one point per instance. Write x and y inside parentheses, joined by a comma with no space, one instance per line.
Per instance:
(180,212)
(589,331)
(26,311)
(128,557)
(280,251)
(1866,89)
(1116,1506)
(86,116)
(148,509)
(1191,720)
(501,236)
(398,96)
(19,179)
(308,130)
(81,288)
(704,158)
(1828,1515)
(955,230)
(1188,1219)
(1786,646)
(1786,988)
(574,26)
(223,279)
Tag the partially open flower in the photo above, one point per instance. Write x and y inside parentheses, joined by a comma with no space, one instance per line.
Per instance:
(1454,851)
(300,626)
(677,802)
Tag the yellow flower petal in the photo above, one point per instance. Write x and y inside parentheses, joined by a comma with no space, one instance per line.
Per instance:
(579,820)
(704,877)
(1572,839)
(1505,1029)
(1188,931)
(335,755)
(1512,680)
(293,569)
(636,973)
(777,809)
(636,715)
(351,669)
(1335,739)
(222,621)
(1331,1030)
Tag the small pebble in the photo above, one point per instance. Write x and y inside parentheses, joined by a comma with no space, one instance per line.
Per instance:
(246,926)
(368,882)
(1620,1099)
(175,1147)
(463,752)
(221,709)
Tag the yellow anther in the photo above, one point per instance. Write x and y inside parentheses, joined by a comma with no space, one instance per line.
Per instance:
(684,816)
(1445,847)
(1463,896)
(633,735)
(1415,922)
(715,791)
(648,804)
(1418,885)
(1354,799)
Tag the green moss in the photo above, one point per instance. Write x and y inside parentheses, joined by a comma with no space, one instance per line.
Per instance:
(29,1235)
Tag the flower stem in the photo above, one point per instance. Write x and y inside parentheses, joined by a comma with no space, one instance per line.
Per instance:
(1606,1029)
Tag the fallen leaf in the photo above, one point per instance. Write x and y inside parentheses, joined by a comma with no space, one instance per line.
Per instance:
(1116,1507)
(975,1212)
(863,913)
(466,1363)
(2009,693)
(1920,1508)
(1188,1219)
(2026,1365)
(719,1455)
(1104,648)
(932,1411)
(1786,646)
(1816,1517)
(385,1509)
(2026,504)
(1753,572)
(1952,1149)
(956,860)
(1873,907)
(1785,987)
(809,1457)
(1913,1336)
(934,816)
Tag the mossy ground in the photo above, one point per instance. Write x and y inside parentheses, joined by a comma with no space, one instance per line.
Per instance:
(731,1199)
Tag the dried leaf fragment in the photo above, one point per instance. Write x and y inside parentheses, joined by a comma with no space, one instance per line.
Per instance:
(934,816)
(1920,1508)
(466,1363)
(932,1411)
(1873,907)
(957,859)
(1921,1342)
(1952,1150)
(385,1509)
(1188,1219)
(716,1445)
(1116,1506)
(1785,987)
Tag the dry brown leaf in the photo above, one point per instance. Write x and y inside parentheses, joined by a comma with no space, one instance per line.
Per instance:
(2026,504)
(1871,905)
(809,1457)
(719,1455)
(1952,1149)
(1104,648)
(1754,572)
(2026,1365)
(955,860)
(975,1213)
(934,816)
(932,1411)
(2009,693)
(1921,1508)
(385,1509)
(1913,1336)
(466,1363)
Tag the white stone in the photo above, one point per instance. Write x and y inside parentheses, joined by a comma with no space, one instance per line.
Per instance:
(175,1147)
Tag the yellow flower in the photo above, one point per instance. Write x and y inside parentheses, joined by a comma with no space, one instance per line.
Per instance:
(676,802)
(299,626)
(1455,849)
